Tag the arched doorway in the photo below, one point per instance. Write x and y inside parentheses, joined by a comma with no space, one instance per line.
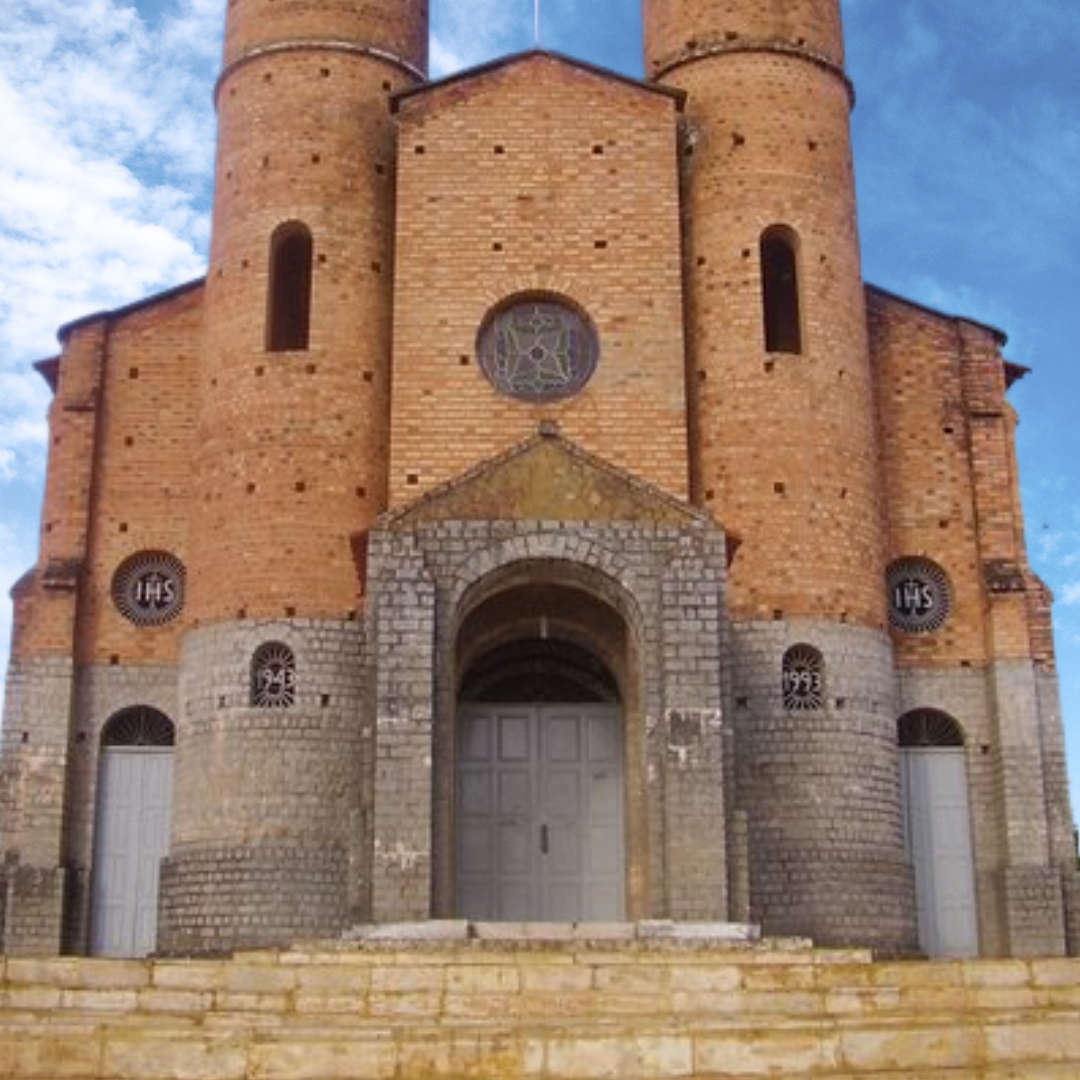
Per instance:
(541,754)
(134,807)
(938,828)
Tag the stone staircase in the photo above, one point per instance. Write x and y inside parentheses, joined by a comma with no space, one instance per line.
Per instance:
(539,1009)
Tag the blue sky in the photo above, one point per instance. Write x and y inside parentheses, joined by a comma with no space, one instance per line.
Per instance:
(967,147)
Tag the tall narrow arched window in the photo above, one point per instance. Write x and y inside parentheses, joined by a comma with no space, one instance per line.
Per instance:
(780,290)
(288,310)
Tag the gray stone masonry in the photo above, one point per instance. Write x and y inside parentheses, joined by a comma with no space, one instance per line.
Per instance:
(821,789)
(33,768)
(1020,818)
(666,585)
(269,835)
(401,621)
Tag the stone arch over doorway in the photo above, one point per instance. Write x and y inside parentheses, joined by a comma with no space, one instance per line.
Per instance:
(642,600)
(541,790)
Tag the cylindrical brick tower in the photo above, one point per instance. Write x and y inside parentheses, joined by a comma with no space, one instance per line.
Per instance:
(270,834)
(784,454)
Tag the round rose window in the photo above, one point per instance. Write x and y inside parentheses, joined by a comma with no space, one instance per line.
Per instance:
(537,349)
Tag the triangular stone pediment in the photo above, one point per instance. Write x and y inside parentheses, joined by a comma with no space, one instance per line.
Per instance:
(548,478)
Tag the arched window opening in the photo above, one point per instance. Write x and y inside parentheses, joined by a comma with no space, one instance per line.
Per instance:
(139,726)
(539,671)
(780,291)
(803,679)
(924,728)
(288,320)
(273,676)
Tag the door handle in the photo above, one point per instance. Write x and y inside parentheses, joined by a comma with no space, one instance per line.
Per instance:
(544,844)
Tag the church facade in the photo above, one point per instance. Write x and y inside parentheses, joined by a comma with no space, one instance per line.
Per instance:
(532,516)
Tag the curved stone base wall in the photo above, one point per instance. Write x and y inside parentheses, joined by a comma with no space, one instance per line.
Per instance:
(270,841)
(219,899)
(821,788)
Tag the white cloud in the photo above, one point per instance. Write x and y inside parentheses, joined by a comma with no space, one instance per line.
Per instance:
(1070,594)
(443,59)
(16,556)
(104,177)
(465,34)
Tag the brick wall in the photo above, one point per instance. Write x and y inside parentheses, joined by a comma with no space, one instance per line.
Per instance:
(678,31)
(292,445)
(949,469)
(172,428)
(528,178)
(766,143)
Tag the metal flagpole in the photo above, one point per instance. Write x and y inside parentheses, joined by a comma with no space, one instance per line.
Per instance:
(536,23)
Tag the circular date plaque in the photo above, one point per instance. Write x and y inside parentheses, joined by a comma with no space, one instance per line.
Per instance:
(148,588)
(919,596)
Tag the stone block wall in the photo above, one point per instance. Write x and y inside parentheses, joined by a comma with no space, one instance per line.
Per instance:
(272,812)
(540,1010)
(33,792)
(820,788)
(666,583)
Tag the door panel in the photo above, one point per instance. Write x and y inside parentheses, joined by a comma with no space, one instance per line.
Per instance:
(554,836)
(134,812)
(514,737)
(939,838)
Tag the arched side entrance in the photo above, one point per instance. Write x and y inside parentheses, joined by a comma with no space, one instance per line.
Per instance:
(134,808)
(539,767)
(938,829)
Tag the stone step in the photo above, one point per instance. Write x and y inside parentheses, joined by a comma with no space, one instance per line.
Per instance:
(402,987)
(169,1052)
(538,1012)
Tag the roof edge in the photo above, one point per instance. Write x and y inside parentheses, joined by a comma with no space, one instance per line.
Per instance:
(128,309)
(676,95)
(1000,336)
(49,370)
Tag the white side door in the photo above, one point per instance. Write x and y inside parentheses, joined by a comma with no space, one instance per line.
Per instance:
(939,839)
(133,821)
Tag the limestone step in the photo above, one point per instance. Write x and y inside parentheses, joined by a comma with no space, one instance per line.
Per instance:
(538,1011)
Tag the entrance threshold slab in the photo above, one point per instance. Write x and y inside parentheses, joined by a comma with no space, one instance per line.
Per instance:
(645,930)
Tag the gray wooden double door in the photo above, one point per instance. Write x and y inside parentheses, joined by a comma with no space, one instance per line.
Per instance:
(540,813)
